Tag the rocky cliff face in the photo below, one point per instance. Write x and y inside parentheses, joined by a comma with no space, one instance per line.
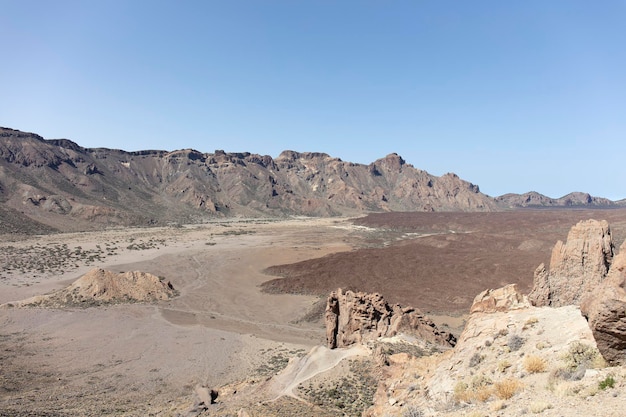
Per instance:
(356,317)
(605,310)
(60,183)
(585,271)
(577,266)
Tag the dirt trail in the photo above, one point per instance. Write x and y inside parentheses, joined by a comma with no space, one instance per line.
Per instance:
(319,360)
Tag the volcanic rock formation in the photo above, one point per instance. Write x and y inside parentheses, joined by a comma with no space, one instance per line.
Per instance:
(534,199)
(577,267)
(356,317)
(501,299)
(605,310)
(61,184)
(99,286)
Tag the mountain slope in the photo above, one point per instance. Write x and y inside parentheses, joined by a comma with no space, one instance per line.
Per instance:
(57,182)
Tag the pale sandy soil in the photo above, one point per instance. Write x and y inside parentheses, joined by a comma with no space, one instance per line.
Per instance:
(128,359)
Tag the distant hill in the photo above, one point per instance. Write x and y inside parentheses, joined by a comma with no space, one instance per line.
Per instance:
(58,184)
(534,199)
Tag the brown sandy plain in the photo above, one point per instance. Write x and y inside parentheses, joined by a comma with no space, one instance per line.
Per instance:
(142,359)
(147,359)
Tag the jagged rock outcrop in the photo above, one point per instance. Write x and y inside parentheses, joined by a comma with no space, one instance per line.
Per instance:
(501,299)
(577,267)
(356,317)
(100,286)
(605,310)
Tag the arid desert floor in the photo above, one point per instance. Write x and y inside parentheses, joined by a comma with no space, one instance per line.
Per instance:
(137,357)
(150,359)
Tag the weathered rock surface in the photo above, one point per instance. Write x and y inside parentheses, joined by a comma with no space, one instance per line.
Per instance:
(577,267)
(487,342)
(356,317)
(50,180)
(605,309)
(100,286)
(501,299)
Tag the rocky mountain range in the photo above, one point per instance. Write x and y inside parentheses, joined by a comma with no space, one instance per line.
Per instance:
(57,184)
(534,199)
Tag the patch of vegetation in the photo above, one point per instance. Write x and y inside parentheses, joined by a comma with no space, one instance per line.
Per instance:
(608,382)
(48,259)
(144,245)
(476,359)
(534,364)
(480,389)
(277,360)
(507,388)
(580,355)
(402,347)
(515,342)
(412,411)
(503,365)
(530,323)
(350,395)
(538,407)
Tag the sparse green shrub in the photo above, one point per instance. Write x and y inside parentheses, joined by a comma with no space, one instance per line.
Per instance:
(608,382)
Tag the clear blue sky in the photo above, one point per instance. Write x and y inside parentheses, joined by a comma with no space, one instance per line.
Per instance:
(511,95)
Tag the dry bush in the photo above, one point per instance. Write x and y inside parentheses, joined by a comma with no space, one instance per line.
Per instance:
(412,411)
(482,394)
(534,364)
(480,389)
(507,388)
(539,407)
(461,392)
(503,365)
(497,405)
(476,359)
(581,356)
(515,342)
(530,323)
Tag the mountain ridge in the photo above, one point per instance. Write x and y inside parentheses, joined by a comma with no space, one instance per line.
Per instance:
(60,184)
